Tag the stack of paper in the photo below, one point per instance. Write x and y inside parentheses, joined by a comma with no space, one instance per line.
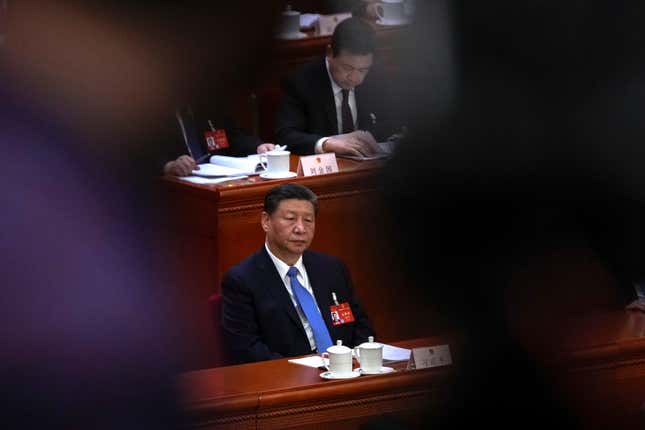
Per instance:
(249,165)
(216,171)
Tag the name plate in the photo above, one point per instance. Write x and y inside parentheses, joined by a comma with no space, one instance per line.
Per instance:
(319,164)
(430,356)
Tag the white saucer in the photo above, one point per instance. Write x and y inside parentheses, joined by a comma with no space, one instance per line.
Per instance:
(278,175)
(383,371)
(328,375)
(392,21)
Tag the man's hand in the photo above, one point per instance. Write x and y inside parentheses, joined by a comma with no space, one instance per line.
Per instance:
(182,166)
(265,147)
(357,143)
(636,305)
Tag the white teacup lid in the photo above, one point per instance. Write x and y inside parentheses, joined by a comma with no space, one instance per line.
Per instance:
(370,344)
(338,348)
(278,152)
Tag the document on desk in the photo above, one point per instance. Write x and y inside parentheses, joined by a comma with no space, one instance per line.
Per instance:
(394,353)
(216,171)
(203,180)
(249,165)
(311,361)
(384,150)
(375,156)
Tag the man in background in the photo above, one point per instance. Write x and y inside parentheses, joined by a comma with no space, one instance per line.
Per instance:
(199,130)
(331,105)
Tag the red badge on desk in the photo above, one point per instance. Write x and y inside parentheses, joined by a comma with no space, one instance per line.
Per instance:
(341,314)
(216,139)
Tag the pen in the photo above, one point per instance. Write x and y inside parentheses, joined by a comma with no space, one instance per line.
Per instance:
(202,158)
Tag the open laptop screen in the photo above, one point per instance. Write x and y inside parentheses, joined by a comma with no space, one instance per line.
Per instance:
(195,143)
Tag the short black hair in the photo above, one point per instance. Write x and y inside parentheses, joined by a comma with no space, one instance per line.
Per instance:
(353,35)
(288,191)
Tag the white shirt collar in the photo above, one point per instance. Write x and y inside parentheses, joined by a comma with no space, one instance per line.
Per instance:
(282,267)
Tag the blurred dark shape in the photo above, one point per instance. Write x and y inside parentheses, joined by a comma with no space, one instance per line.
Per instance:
(91,309)
(533,145)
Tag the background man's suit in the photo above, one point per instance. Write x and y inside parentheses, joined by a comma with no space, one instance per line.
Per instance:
(259,320)
(307,111)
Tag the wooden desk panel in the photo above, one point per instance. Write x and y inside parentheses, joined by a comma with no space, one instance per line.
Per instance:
(277,394)
(600,367)
(601,379)
(219,225)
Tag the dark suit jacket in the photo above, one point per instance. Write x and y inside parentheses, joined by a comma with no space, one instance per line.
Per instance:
(172,145)
(259,321)
(307,111)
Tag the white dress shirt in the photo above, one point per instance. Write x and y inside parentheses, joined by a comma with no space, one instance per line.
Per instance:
(338,99)
(282,268)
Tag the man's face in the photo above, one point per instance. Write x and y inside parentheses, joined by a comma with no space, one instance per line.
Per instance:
(349,70)
(290,229)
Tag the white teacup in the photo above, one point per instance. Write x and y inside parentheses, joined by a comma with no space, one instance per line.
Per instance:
(340,360)
(275,161)
(390,11)
(370,355)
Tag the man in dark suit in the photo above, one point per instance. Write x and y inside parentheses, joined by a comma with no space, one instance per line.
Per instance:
(278,301)
(330,105)
(192,125)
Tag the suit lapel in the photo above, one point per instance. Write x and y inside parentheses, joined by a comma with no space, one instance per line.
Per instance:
(327,95)
(276,287)
(363,120)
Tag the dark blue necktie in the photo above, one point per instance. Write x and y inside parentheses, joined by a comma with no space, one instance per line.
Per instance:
(308,306)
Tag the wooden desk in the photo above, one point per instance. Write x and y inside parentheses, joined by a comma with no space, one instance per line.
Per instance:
(216,226)
(596,366)
(277,394)
(598,362)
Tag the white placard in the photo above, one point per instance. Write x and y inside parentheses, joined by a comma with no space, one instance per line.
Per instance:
(430,356)
(319,164)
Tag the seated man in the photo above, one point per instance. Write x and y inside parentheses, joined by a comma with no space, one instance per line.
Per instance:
(330,106)
(192,127)
(278,302)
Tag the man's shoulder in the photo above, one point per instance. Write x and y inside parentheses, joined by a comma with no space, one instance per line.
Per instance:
(321,258)
(307,71)
(248,265)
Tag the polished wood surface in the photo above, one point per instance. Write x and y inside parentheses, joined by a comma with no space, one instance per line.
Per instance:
(277,394)
(599,367)
(216,226)
(595,363)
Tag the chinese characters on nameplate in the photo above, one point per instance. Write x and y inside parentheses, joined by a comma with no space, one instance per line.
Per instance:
(430,356)
(319,164)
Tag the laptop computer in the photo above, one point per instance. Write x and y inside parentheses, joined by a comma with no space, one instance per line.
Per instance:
(194,140)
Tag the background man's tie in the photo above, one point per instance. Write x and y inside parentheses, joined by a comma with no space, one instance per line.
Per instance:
(308,306)
(346,113)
